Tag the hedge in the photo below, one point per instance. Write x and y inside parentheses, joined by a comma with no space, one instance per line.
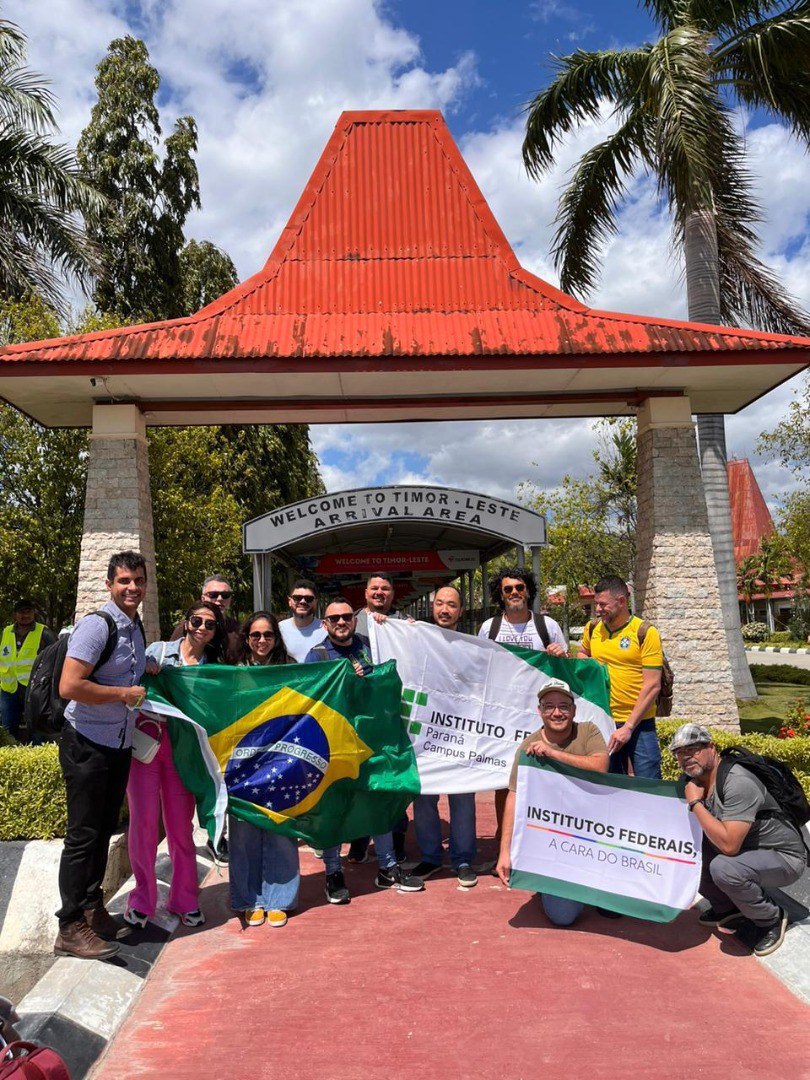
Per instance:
(32,793)
(780,673)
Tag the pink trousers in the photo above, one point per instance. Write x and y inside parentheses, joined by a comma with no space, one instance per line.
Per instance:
(151,788)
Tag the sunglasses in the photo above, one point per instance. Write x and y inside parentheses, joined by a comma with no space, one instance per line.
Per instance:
(300,598)
(257,635)
(196,621)
(333,620)
(507,590)
(225,594)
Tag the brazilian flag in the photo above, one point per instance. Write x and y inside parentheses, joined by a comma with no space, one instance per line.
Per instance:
(313,751)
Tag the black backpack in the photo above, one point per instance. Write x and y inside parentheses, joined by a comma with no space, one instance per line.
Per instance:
(44,708)
(539,622)
(779,781)
(663,703)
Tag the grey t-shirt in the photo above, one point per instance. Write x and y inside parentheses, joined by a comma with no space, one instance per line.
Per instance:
(362,620)
(300,640)
(745,795)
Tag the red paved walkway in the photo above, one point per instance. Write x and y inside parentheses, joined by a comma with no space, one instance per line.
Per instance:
(455,983)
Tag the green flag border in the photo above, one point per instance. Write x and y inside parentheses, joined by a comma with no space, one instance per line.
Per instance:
(668,789)
(625,905)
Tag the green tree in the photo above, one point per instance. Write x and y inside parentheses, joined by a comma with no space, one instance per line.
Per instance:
(42,192)
(148,198)
(747,577)
(206,273)
(207,481)
(789,443)
(673,102)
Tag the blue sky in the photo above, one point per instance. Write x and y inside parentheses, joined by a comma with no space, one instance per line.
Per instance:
(266,81)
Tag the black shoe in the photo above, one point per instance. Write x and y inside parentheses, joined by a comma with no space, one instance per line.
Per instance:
(607,914)
(710,917)
(220,852)
(358,851)
(425,870)
(336,891)
(393,878)
(771,937)
(466,876)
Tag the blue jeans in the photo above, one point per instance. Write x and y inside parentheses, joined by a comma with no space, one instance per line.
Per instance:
(642,750)
(429,829)
(263,868)
(383,847)
(560,911)
(11,709)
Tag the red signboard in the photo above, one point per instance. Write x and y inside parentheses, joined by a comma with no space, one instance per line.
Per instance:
(394,562)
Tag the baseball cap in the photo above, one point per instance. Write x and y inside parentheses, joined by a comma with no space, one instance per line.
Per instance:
(555,684)
(24,604)
(690,735)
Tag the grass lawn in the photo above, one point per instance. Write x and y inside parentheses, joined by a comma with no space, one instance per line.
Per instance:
(770,709)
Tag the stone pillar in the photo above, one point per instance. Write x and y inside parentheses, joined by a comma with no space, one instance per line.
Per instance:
(117,508)
(676,582)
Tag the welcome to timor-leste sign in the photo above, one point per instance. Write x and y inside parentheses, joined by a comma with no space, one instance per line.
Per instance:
(439,505)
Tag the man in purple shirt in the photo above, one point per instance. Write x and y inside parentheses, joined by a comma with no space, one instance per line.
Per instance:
(95,749)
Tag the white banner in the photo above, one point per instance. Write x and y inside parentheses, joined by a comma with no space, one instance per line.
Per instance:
(468,703)
(618,842)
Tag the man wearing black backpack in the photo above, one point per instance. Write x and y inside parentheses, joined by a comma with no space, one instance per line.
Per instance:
(95,750)
(750,841)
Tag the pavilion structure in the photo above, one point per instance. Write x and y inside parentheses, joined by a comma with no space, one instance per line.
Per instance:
(393,294)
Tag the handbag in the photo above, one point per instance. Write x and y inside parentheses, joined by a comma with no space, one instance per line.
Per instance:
(27,1061)
(144,745)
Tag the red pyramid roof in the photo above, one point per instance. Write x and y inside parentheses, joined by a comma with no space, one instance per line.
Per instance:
(393,292)
(750,517)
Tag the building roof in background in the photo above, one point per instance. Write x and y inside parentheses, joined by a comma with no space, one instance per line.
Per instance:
(750,517)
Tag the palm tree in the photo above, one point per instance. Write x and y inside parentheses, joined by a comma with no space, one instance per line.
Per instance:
(747,577)
(41,188)
(673,101)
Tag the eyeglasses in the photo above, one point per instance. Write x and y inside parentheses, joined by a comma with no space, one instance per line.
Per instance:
(257,635)
(302,598)
(547,706)
(333,620)
(196,621)
(507,590)
(224,594)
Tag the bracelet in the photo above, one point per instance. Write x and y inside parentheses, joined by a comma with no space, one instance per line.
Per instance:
(694,803)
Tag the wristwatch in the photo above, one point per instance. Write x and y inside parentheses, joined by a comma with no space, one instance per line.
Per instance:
(694,803)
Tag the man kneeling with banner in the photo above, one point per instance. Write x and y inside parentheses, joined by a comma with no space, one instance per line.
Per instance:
(576,835)
(561,739)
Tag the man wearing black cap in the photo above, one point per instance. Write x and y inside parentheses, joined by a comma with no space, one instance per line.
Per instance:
(748,846)
(19,645)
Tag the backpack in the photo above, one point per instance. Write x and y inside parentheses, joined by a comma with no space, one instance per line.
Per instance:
(663,703)
(539,622)
(779,781)
(27,1061)
(44,708)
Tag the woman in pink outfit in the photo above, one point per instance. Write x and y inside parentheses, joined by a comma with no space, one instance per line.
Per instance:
(156,786)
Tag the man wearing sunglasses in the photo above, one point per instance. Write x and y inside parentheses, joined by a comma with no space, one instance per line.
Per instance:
(216,591)
(342,641)
(513,591)
(303,629)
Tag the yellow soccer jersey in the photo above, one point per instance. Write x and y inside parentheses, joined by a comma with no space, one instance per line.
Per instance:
(625,658)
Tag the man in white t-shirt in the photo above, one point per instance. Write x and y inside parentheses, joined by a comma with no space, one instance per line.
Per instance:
(303,630)
(514,591)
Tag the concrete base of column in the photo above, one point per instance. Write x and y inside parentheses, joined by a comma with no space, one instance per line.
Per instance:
(118,508)
(676,582)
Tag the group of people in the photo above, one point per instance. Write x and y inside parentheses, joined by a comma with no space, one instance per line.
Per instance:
(104,712)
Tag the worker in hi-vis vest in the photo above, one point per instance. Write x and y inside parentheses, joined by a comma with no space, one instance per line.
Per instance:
(19,645)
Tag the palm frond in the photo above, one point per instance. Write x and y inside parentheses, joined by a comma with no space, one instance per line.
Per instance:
(586,217)
(584,80)
(768,66)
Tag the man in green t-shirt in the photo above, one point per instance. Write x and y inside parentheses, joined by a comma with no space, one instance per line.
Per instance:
(562,739)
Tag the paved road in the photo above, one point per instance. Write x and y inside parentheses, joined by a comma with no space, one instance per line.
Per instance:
(455,983)
(799,660)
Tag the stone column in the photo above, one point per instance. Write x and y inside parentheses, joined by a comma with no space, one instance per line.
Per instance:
(117,508)
(676,582)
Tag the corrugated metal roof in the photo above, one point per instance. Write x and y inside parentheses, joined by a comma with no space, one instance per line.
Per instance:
(393,251)
(750,517)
